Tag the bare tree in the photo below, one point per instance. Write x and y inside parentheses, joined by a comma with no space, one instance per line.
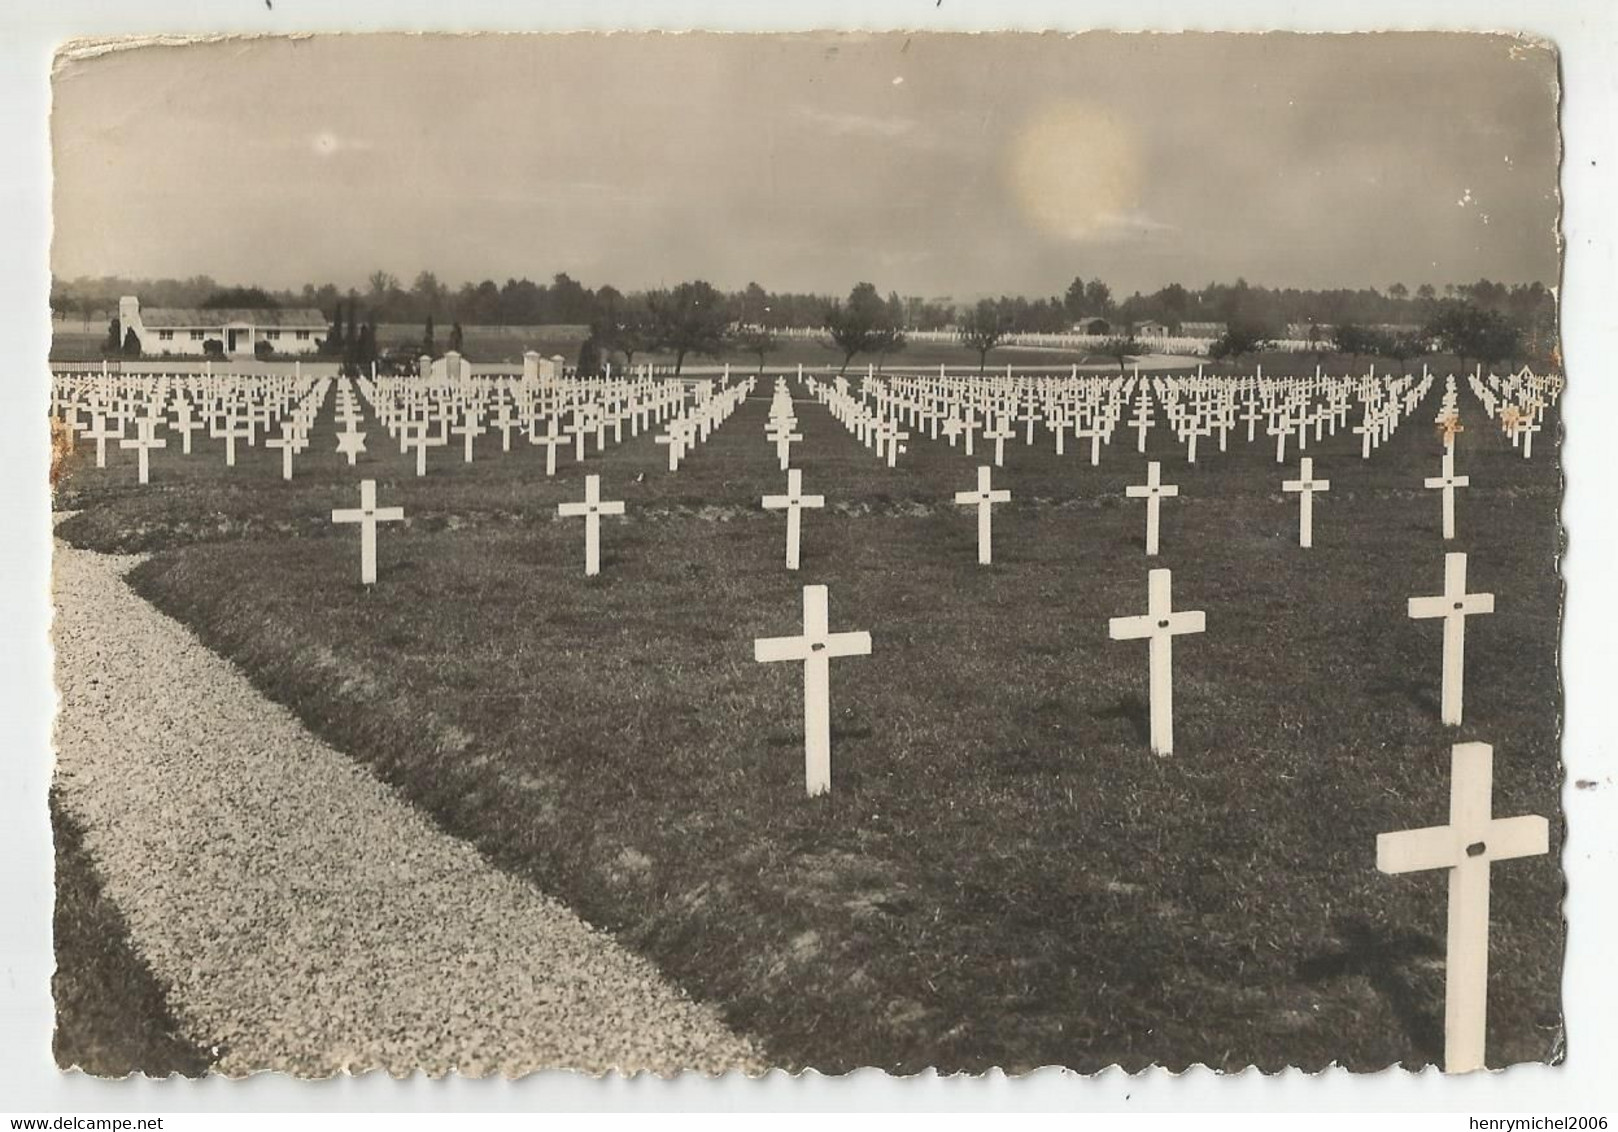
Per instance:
(863,325)
(690,319)
(1120,348)
(984,328)
(755,340)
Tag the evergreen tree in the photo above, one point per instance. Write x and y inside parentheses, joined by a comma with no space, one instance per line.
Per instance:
(589,358)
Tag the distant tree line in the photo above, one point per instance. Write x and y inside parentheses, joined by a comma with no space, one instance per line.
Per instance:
(698,318)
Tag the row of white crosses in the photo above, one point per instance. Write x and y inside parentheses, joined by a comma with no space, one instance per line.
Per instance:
(694,424)
(1466,846)
(230,412)
(878,429)
(1517,402)
(350,415)
(422,415)
(553,413)
(1473,838)
(368,515)
(1154,491)
(987,410)
(782,420)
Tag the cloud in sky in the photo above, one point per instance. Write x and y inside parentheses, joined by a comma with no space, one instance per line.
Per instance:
(856,125)
(328,144)
(999,163)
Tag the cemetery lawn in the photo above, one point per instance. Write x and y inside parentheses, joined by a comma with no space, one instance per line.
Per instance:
(111,1016)
(1003,874)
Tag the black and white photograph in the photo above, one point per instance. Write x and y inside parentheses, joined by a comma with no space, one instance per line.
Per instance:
(728,552)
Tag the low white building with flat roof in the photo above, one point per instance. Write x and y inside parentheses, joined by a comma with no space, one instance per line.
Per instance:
(187,331)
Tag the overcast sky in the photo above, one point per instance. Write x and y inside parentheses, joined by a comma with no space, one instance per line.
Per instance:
(934,164)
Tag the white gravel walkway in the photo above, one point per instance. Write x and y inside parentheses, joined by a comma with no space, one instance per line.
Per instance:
(304,918)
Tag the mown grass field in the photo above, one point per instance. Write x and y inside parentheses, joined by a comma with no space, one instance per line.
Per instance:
(1003,874)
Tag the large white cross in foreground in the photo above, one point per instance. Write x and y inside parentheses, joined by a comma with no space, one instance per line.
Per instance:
(815,648)
(985,499)
(1472,839)
(1306,485)
(368,515)
(592,509)
(793,502)
(1154,489)
(1160,625)
(1454,605)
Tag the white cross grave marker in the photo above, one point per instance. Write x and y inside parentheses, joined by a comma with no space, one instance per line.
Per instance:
(1306,485)
(232,434)
(1154,489)
(793,502)
(815,649)
(1454,605)
(145,440)
(100,433)
(1000,433)
(368,515)
(1447,483)
(592,509)
(984,498)
(184,424)
(288,445)
(1160,625)
(1466,847)
(552,440)
(414,434)
(468,430)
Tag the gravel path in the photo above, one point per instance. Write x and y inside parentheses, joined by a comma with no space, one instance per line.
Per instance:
(304,918)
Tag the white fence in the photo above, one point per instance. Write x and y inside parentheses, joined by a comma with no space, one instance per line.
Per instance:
(1077,343)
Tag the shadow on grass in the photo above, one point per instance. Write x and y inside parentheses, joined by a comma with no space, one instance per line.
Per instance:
(1382,958)
(1418,691)
(1132,709)
(838,735)
(112,1016)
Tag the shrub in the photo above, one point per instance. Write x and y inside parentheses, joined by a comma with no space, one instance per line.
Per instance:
(61,450)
